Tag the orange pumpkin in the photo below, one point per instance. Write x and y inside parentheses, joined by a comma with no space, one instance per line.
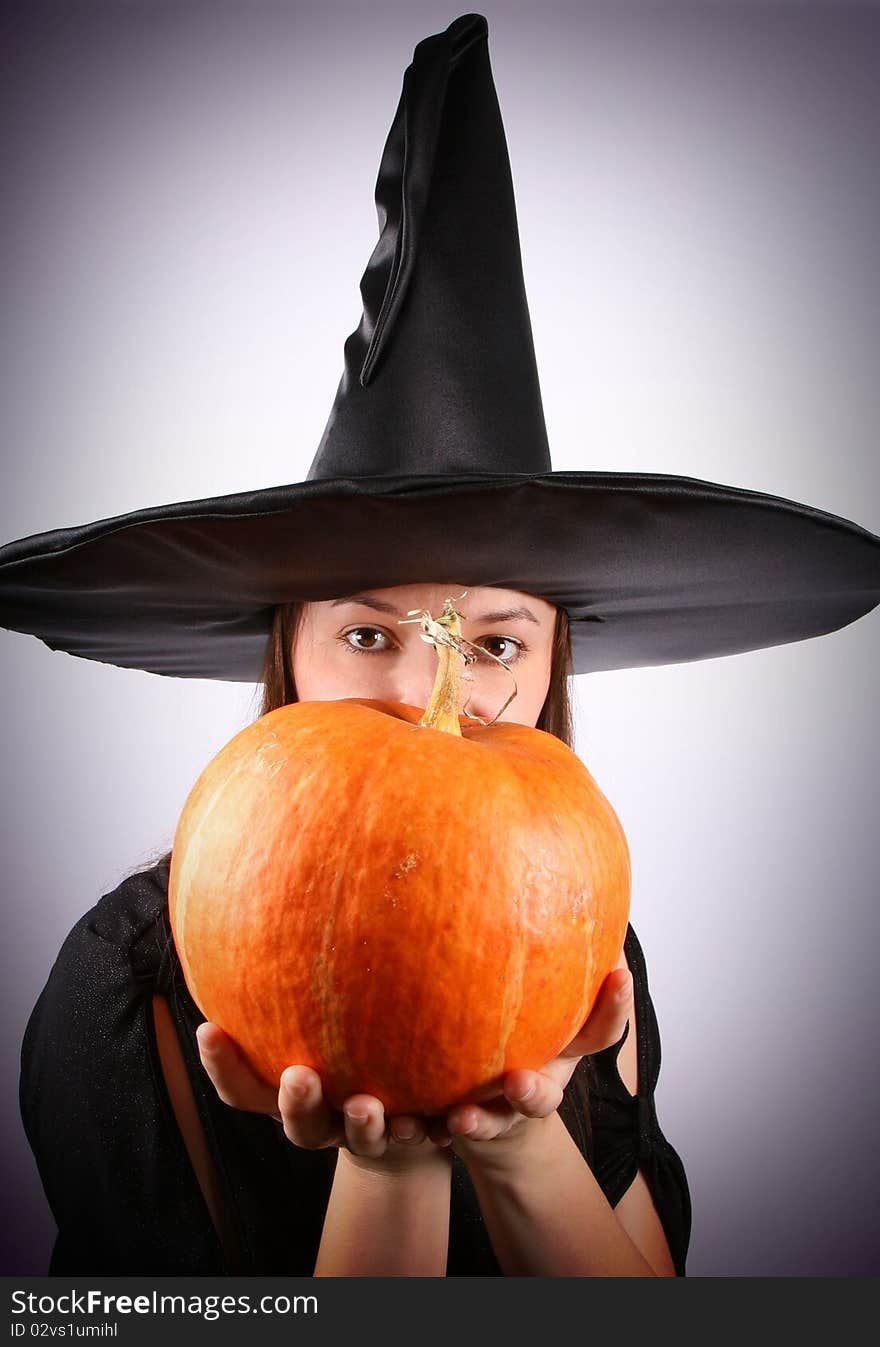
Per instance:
(413,909)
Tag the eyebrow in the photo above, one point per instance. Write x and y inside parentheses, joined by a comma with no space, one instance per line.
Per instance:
(498,615)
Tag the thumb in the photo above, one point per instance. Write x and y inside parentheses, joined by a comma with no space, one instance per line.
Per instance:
(230,1074)
(607,1020)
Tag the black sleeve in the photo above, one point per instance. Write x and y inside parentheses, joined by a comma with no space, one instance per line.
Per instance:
(113,1163)
(626,1135)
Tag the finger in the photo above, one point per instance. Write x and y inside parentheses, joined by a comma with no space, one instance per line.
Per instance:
(408,1129)
(365,1126)
(308,1120)
(479,1122)
(232,1078)
(532,1094)
(438,1132)
(608,1018)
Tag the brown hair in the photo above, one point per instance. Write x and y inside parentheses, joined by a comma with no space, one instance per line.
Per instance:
(279,688)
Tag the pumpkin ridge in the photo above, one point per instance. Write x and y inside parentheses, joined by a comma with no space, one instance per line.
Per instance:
(198,817)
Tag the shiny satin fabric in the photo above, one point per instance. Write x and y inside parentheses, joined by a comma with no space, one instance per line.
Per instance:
(440,375)
(651,569)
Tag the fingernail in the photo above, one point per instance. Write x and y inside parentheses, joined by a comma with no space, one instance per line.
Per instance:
(357,1116)
(404,1131)
(294,1088)
(625,991)
(522,1095)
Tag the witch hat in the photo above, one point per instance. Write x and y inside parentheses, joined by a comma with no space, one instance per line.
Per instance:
(435,462)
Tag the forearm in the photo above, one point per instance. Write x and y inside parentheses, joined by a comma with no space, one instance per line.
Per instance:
(544,1210)
(385,1221)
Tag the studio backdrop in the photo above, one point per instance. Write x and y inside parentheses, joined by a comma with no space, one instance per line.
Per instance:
(188,206)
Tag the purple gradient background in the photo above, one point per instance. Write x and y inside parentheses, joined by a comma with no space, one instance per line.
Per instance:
(187,210)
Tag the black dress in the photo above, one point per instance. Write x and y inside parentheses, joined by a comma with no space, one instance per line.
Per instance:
(115,1167)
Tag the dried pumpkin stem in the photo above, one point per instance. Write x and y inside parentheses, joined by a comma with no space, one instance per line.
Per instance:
(444,633)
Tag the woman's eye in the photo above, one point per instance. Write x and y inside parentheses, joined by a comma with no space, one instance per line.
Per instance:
(516,648)
(370,640)
(363,640)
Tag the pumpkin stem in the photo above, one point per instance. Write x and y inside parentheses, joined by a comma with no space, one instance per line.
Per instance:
(441,713)
(444,633)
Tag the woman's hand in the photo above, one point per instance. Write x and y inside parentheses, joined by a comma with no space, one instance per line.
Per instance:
(537,1094)
(362,1128)
(308,1120)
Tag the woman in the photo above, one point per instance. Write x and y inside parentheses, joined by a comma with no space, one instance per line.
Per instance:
(577,1236)
(190,1183)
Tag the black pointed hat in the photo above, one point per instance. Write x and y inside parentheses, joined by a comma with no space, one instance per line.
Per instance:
(435,465)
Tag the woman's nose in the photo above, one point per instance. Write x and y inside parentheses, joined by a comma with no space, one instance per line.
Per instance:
(416,674)
(415,688)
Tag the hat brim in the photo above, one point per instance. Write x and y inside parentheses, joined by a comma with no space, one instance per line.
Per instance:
(652,569)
